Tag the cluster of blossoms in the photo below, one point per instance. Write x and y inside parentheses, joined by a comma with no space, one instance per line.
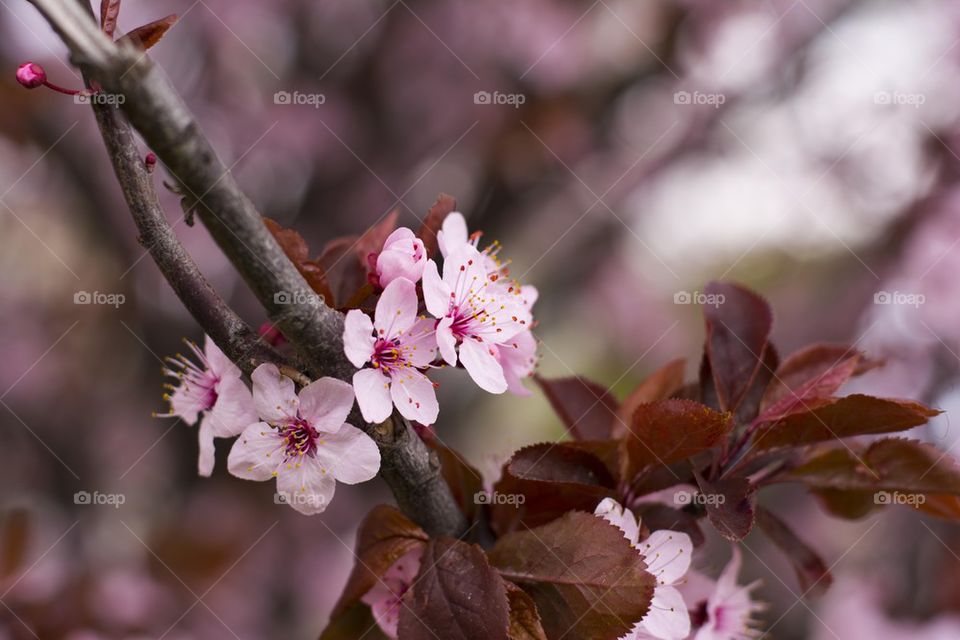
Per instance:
(480,318)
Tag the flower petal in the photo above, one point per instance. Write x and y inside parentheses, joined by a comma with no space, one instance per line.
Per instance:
(358,337)
(446,341)
(257,453)
(397,309)
(218,362)
(325,403)
(482,366)
(436,293)
(349,455)
(667,617)
(306,485)
(421,342)
(667,554)
(274,395)
(373,395)
(414,396)
(233,411)
(452,234)
(207,455)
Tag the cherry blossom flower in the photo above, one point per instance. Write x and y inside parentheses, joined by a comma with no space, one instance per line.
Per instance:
(518,356)
(729,607)
(397,344)
(667,555)
(386,597)
(403,256)
(476,313)
(303,440)
(213,389)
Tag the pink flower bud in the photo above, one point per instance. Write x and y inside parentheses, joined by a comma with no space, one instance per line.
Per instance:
(31,75)
(150,161)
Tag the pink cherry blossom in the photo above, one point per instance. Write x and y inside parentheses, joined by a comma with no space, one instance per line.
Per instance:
(386,597)
(518,356)
(397,344)
(729,607)
(303,440)
(403,256)
(213,389)
(475,312)
(667,555)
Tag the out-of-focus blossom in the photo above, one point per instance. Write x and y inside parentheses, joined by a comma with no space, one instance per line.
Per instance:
(214,390)
(667,554)
(397,344)
(475,313)
(403,256)
(727,607)
(304,441)
(386,597)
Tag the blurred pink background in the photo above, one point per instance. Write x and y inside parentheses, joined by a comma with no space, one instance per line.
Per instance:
(623,152)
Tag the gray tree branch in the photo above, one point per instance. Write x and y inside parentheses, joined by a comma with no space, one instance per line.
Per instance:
(156,110)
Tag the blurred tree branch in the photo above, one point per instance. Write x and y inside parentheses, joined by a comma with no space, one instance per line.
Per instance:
(156,110)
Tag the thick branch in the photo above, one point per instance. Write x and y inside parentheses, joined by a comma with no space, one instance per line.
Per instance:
(161,117)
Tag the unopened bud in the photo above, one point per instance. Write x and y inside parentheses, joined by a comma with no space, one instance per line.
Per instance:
(31,75)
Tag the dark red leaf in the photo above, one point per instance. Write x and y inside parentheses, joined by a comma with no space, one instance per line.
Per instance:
(804,397)
(543,481)
(811,363)
(655,516)
(668,431)
(295,248)
(356,622)
(659,385)
(737,331)
(586,579)
(750,405)
(456,596)
(842,417)
(149,34)
(433,221)
(109,10)
(524,618)
(463,479)
(345,272)
(731,505)
(385,535)
(850,505)
(373,238)
(586,408)
(891,464)
(812,573)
